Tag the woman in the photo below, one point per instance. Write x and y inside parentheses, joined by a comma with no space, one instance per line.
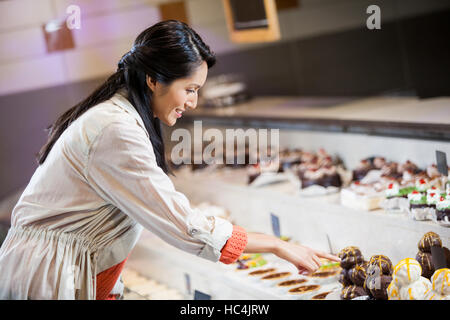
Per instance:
(102,177)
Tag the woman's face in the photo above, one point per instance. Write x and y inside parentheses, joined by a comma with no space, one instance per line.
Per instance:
(170,102)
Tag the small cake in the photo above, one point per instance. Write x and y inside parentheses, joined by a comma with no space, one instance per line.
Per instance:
(383,263)
(393,292)
(377,286)
(304,289)
(418,207)
(351,292)
(358,274)
(290,283)
(429,240)
(424,258)
(344,277)
(321,296)
(350,256)
(443,209)
(261,272)
(325,276)
(441,281)
(406,271)
(415,290)
(276,276)
(362,169)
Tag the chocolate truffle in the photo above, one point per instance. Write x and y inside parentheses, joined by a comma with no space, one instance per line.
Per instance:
(344,278)
(383,263)
(428,240)
(377,286)
(350,256)
(351,292)
(447,256)
(358,274)
(424,258)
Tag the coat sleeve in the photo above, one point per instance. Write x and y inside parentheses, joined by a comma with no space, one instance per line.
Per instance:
(121,167)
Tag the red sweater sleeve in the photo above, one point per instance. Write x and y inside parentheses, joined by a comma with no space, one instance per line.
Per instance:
(234,246)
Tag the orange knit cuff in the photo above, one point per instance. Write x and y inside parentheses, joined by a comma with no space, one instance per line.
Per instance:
(234,246)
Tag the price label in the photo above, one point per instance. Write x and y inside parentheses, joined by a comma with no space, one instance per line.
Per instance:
(188,283)
(198,295)
(441,161)
(275,225)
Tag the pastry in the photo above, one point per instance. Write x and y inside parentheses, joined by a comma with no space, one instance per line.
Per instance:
(358,274)
(418,206)
(441,281)
(277,275)
(415,290)
(383,263)
(429,240)
(290,283)
(424,258)
(351,292)
(377,286)
(344,278)
(261,272)
(406,271)
(393,292)
(304,289)
(321,296)
(443,209)
(323,276)
(350,256)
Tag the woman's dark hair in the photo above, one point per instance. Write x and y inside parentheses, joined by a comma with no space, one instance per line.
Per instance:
(166,51)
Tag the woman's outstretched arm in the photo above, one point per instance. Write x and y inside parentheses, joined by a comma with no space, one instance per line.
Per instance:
(305,259)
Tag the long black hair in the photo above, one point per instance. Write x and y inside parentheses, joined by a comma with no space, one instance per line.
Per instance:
(167,51)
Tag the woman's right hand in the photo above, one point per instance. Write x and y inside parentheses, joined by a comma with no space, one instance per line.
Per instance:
(306,260)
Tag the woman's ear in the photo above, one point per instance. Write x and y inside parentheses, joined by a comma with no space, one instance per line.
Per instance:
(150,83)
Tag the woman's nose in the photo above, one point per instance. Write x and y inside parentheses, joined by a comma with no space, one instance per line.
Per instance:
(191,104)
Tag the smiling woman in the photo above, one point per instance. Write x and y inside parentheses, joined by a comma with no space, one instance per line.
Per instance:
(102,177)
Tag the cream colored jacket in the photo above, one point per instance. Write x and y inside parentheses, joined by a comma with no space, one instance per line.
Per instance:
(84,208)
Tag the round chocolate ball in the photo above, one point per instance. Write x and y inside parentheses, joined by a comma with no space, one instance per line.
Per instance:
(429,240)
(344,278)
(384,264)
(351,292)
(424,258)
(350,256)
(358,274)
(378,286)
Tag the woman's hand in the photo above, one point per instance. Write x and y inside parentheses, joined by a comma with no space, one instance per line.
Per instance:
(306,260)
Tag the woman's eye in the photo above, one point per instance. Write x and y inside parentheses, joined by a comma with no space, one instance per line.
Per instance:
(190,91)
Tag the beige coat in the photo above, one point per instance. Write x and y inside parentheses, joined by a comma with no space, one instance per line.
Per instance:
(84,208)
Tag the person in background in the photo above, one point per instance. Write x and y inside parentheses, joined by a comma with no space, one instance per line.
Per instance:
(102,177)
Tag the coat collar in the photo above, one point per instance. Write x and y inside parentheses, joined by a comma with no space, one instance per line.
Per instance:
(120,98)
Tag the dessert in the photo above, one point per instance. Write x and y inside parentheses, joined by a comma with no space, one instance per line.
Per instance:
(418,208)
(415,290)
(344,278)
(358,274)
(304,289)
(261,272)
(424,258)
(378,278)
(440,288)
(350,256)
(325,276)
(443,209)
(247,261)
(428,240)
(406,271)
(321,296)
(276,276)
(351,292)
(290,283)
(393,292)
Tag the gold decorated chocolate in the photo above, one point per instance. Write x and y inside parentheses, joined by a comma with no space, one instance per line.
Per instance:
(350,256)
(424,258)
(383,263)
(429,240)
(289,283)
(358,274)
(344,278)
(351,292)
